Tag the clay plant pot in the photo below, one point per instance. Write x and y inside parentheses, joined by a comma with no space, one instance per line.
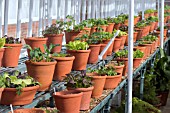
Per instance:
(63,67)
(1,90)
(86,30)
(112,81)
(142,49)
(164,97)
(98,83)
(134,38)
(102,48)
(125,60)
(116,26)
(85,101)
(9,96)
(137,62)
(11,55)
(68,101)
(55,39)
(93,57)
(109,51)
(42,72)
(1,55)
(110,27)
(148,48)
(104,27)
(93,29)
(81,58)
(119,69)
(123,41)
(152,27)
(70,36)
(140,33)
(116,44)
(31,110)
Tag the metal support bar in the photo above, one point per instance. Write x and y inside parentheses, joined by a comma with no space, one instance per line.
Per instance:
(162,23)
(18,34)
(142,82)
(30,19)
(143,9)
(50,2)
(1,18)
(40,18)
(6,17)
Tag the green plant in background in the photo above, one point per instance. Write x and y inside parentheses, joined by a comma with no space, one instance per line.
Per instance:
(78,81)
(138,54)
(124,28)
(122,54)
(17,81)
(150,38)
(139,106)
(165,27)
(141,24)
(36,55)
(118,20)
(148,11)
(152,19)
(108,70)
(144,42)
(70,22)
(87,23)
(77,45)
(121,33)
(60,55)
(2,42)
(11,40)
(117,63)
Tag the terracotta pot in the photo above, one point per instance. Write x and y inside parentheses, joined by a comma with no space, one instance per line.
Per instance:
(156,14)
(140,33)
(134,38)
(1,90)
(35,42)
(116,26)
(136,20)
(63,67)
(119,69)
(93,29)
(85,101)
(156,25)
(103,27)
(102,48)
(142,49)
(146,15)
(148,48)
(31,110)
(99,82)
(81,58)
(137,62)
(110,27)
(152,27)
(125,60)
(42,72)
(116,44)
(93,57)
(123,41)
(9,96)
(55,39)
(86,30)
(1,55)
(112,81)
(126,22)
(109,51)
(164,97)
(11,55)
(70,36)
(68,101)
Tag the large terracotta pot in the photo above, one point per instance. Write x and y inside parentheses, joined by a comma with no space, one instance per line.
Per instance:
(134,38)
(68,101)
(63,67)
(9,96)
(85,101)
(55,39)
(93,57)
(119,69)
(11,55)
(112,81)
(99,82)
(42,72)
(70,36)
(110,27)
(81,58)
(125,60)
(116,44)
(123,41)
(35,42)
(109,51)
(137,62)
(30,110)
(1,55)
(102,48)
(1,90)
(116,26)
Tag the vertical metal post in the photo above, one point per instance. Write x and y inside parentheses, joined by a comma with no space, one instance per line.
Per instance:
(6,17)
(83,9)
(143,9)
(162,23)
(30,19)
(93,9)
(88,9)
(142,82)
(158,5)
(130,54)
(18,34)
(40,18)
(1,18)
(50,2)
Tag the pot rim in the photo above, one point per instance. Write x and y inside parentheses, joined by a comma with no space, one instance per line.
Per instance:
(13,45)
(53,35)
(64,58)
(23,89)
(66,94)
(40,63)
(116,76)
(36,38)
(84,89)
(79,51)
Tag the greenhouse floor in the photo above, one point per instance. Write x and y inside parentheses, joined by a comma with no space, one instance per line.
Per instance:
(166,109)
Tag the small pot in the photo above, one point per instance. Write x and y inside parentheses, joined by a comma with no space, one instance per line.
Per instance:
(11,55)
(116,26)
(116,44)
(102,48)
(63,67)
(123,41)
(110,27)
(119,69)
(70,36)
(1,55)
(81,58)
(93,57)
(42,72)
(134,38)
(112,81)
(142,49)
(109,51)
(86,30)
(31,110)
(85,101)
(125,60)
(148,48)
(55,39)
(68,101)
(9,96)
(137,62)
